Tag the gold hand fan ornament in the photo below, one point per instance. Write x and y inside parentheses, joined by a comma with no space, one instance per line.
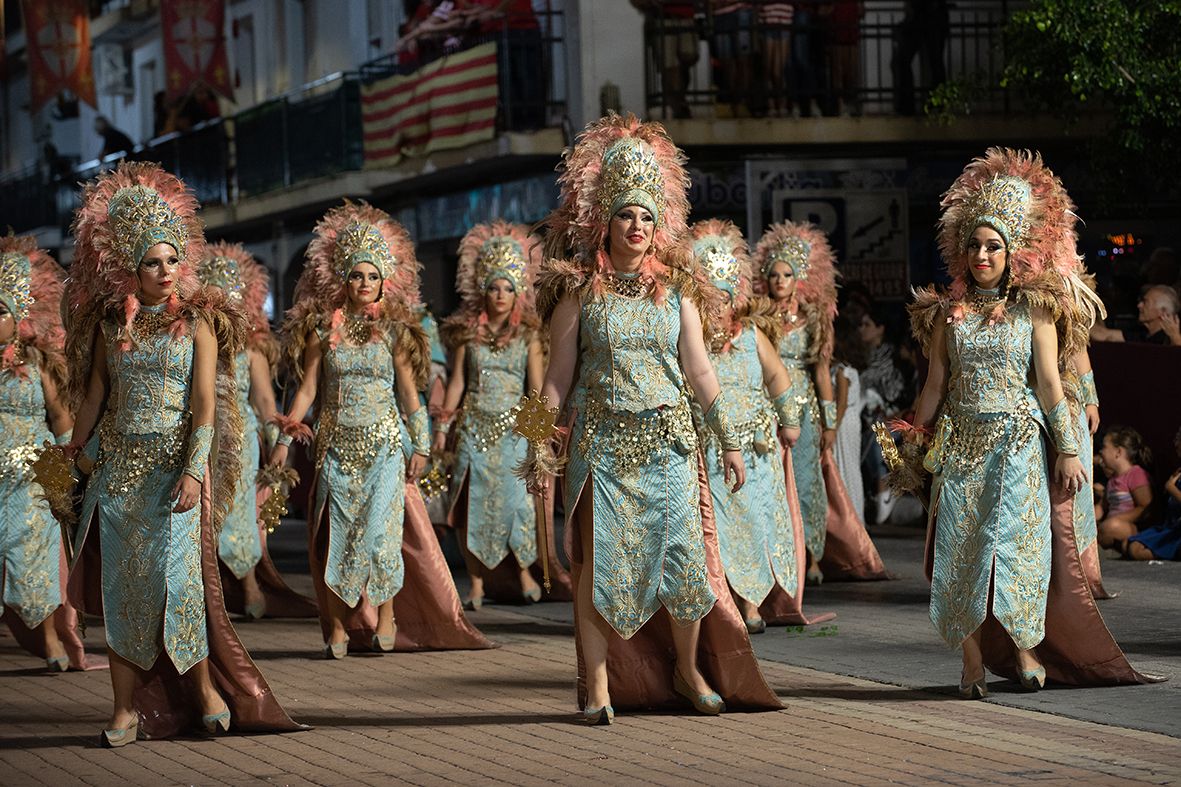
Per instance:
(536,423)
(280,480)
(54,473)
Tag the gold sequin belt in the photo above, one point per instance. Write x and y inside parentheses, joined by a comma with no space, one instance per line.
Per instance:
(483,429)
(757,433)
(632,438)
(131,458)
(973,438)
(357,446)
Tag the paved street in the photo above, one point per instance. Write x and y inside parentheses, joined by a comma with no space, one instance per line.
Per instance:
(867,702)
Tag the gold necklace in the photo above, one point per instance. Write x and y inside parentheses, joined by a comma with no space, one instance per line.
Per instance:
(626,286)
(149,323)
(984,300)
(357,329)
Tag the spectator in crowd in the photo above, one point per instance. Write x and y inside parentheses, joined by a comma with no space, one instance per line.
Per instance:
(1158,311)
(114,140)
(1162,542)
(1129,489)
(775,27)
(923,31)
(845,55)
(672,34)
(848,357)
(885,388)
(807,41)
(514,26)
(733,23)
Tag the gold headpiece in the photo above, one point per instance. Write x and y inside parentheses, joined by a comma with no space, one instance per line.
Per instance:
(631,176)
(15,272)
(1003,204)
(717,258)
(140,219)
(502,257)
(795,251)
(219,271)
(362,242)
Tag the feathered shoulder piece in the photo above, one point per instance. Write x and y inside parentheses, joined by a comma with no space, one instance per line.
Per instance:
(929,307)
(762,313)
(31,286)
(616,161)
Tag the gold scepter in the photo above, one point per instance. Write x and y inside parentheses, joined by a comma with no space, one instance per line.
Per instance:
(535,422)
(53,472)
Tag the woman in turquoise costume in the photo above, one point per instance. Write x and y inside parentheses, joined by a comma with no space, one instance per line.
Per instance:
(624,311)
(150,354)
(253,586)
(495,344)
(1006,582)
(32,412)
(796,269)
(356,347)
(757,527)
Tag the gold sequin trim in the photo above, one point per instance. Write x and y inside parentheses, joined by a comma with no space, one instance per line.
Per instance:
(484,429)
(357,446)
(637,436)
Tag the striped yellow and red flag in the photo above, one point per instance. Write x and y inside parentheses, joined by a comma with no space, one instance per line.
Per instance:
(447,104)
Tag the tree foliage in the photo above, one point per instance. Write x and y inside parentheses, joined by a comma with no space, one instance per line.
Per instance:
(1112,61)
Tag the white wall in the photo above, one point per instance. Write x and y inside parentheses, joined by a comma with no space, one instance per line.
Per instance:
(606,44)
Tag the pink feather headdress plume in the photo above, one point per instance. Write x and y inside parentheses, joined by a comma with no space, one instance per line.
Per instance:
(41,325)
(498,249)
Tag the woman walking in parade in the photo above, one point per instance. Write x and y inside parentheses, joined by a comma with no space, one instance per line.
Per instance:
(33,412)
(760,537)
(495,344)
(1007,586)
(795,266)
(624,312)
(252,585)
(150,355)
(358,353)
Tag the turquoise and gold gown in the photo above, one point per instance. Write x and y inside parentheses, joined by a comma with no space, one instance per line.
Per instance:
(991,497)
(152,590)
(361,471)
(240,544)
(30,539)
(500,516)
(755,532)
(634,450)
(793,351)
(1086,529)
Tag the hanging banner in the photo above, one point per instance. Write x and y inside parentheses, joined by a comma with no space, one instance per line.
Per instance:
(195,46)
(58,44)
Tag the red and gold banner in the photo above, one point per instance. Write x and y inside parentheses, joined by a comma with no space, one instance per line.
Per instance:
(195,46)
(58,43)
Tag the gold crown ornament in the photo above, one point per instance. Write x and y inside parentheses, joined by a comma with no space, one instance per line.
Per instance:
(632,175)
(721,265)
(501,257)
(795,251)
(140,218)
(361,242)
(1003,204)
(222,272)
(15,273)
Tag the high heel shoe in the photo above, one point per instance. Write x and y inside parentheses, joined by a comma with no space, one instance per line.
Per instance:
(710,704)
(336,650)
(976,689)
(474,603)
(1033,679)
(755,625)
(217,723)
(113,739)
(384,643)
(599,717)
(533,594)
(57,663)
(814,577)
(255,611)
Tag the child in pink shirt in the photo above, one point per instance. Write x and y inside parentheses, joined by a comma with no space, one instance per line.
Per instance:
(1129,489)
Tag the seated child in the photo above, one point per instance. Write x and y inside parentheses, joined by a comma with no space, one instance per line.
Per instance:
(1129,489)
(1162,542)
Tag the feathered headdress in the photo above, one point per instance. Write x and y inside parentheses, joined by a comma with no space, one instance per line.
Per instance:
(617,161)
(720,251)
(31,286)
(346,236)
(124,213)
(497,250)
(1014,193)
(804,247)
(233,269)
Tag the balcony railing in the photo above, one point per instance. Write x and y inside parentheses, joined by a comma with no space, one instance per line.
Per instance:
(310,133)
(769,58)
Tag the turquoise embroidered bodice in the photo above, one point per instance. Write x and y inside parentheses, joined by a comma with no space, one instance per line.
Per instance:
(359,383)
(990,364)
(747,407)
(793,348)
(22,422)
(21,397)
(495,378)
(629,353)
(149,381)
